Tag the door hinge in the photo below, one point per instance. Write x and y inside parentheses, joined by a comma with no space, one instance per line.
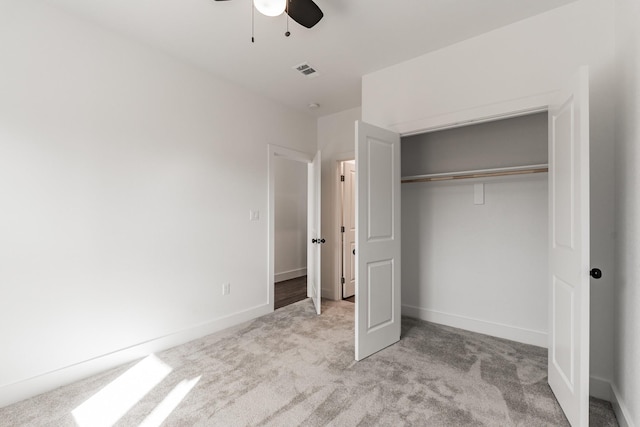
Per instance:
(341,178)
(342,280)
(342,229)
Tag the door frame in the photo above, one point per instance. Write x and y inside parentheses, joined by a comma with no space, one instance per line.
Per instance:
(341,221)
(486,113)
(498,111)
(289,154)
(337,215)
(339,208)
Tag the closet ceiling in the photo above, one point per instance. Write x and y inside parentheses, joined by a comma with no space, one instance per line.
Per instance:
(354,38)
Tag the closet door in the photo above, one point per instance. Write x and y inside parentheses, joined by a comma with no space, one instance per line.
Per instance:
(568,361)
(377,239)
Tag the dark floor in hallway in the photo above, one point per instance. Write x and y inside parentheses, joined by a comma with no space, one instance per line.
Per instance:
(290,291)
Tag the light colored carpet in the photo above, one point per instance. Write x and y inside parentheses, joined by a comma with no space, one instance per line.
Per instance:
(294,368)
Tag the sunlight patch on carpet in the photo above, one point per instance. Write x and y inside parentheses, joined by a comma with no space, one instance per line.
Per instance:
(107,406)
(169,403)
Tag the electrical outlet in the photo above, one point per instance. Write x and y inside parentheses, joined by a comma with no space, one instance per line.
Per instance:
(226,288)
(254,215)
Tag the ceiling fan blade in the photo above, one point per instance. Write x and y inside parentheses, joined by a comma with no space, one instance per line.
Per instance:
(304,12)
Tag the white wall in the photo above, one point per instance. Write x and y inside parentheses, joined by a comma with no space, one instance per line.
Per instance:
(336,140)
(517,141)
(126,180)
(290,226)
(495,72)
(627,320)
(477,267)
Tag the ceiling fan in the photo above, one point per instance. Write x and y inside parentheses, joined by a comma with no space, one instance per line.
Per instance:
(304,12)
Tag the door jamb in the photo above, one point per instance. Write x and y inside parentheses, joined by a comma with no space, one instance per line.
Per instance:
(290,154)
(485,113)
(337,235)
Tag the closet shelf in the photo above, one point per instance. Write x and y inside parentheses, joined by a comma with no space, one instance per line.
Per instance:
(480,173)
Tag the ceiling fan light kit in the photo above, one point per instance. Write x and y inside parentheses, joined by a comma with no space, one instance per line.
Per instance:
(270,7)
(304,12)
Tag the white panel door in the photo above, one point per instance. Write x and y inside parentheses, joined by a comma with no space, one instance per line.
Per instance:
(377,239)
(569,250)
(349,235)
(314,239)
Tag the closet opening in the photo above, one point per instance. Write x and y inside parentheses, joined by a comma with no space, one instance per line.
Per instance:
(475,227)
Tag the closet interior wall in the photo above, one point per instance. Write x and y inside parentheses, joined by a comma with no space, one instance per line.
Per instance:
(475,256)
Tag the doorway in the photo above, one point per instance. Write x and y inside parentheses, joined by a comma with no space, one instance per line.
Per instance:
(475,227)
(313,237)
(348,230)
(569,237)
(290,231)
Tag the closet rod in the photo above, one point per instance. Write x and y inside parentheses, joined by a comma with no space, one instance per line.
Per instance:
(482,173)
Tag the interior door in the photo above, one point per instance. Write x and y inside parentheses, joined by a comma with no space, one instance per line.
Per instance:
(314,238)
(569,249)
(377,239)
(349,235)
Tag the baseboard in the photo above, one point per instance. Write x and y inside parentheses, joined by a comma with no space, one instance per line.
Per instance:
(291,274)
(526,336)
(20,390)
(620,409)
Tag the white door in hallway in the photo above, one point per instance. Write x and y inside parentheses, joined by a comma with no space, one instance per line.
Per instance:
(568,360)
(349,234)
(314,238)
(377,239)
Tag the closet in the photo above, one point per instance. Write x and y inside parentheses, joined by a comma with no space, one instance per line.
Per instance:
(475,227)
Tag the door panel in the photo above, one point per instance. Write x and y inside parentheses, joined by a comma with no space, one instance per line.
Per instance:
(568,361)
(380,169)
(380,293)
(377,239)
(314,284)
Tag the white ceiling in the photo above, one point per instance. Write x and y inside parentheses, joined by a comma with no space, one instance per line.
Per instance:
(354,38)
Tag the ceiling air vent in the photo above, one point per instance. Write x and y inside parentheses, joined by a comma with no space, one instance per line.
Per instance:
(306,70)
